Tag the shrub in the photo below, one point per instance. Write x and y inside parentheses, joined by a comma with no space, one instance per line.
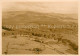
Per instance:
(37,50)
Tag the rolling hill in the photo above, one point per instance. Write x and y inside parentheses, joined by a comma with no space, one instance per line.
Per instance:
(35,17)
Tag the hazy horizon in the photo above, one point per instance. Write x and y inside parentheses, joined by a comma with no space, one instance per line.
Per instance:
(45,7)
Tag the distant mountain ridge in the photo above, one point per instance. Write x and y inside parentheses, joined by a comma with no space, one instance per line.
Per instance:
(30,16)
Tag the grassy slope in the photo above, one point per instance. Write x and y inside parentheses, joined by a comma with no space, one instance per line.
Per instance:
(28,17)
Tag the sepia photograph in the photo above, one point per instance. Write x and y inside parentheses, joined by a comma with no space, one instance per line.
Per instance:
(40,28)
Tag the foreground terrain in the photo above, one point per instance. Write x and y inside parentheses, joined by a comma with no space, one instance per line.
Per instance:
(44,33)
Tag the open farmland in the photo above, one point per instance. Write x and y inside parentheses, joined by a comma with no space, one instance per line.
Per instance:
(39,36)
(40,28)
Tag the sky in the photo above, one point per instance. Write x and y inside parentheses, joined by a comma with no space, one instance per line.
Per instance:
(68,7)
(35,0)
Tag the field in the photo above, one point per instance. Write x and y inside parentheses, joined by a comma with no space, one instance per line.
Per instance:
(27,32)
